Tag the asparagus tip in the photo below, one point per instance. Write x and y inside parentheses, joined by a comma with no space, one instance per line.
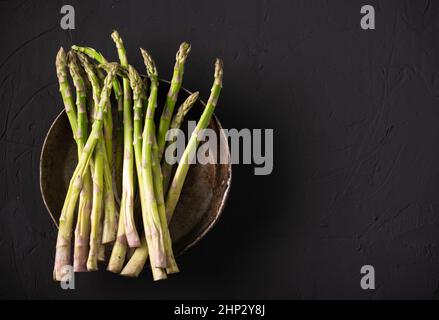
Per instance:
(149,62)
(61,51)
(61,64)
(72,59)
(116,36)
(183,52)
(61,58)
(135,81)
(219,71)
(189,102)
(193,97)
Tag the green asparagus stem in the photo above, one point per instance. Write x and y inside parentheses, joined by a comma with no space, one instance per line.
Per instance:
(96,211)
(137,261)
(119,148)
(109,226)
(128,165)
(171,264)
(92,53)
(171,98)
(120,247)
(82,230)
(151,218)
(176,124)
(136,85)
(108,135)
(63,242)
(136,264)
(101,249)
(62,256)
(64,89)
(98,185)
(183,167)
(138,94)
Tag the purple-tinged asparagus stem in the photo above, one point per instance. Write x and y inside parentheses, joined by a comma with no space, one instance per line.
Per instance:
(151,218)
(62,255)
(63,242)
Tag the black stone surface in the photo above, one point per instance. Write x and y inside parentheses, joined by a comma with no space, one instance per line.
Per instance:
(356,144)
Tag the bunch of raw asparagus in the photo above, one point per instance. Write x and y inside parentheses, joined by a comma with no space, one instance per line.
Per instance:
(109,175)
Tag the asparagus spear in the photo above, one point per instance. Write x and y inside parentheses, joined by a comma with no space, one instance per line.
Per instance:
(183,167)
(151,218)
(101,249)
(128,168)
(138,94)
(132,268)
(120,247)
(92,53)
(64,88)
(119,147)
(82,230)
(62,255)
(63,242)
(109,225)
(96,211)
(171,98)
(98,182)
(176,124)
(138,259)
(171,265)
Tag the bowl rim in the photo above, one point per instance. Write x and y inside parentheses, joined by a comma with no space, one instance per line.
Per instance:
(224,198)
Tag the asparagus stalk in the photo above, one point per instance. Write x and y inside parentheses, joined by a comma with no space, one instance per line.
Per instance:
(64,89)
(98,184)
(138,94)
(119,148)
(101,249)
(137,261)
(120,247)
(108,123)
(171,98)
(63,242)
(140,255)
(176,124)
(103,197)
(109,226)
(82,230)
(128,167)
(151,217)
(171,265)
(175,190)
(183,167)
(92,53)
(96,211)
(62,255)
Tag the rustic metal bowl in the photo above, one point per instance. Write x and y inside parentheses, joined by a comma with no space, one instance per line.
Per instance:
(204,193)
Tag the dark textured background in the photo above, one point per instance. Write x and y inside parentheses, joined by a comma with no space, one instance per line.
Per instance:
(355,114)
